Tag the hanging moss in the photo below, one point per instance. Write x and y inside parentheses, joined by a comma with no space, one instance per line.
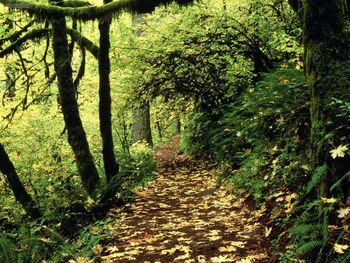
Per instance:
(327,60)
(83,42)
(85,13)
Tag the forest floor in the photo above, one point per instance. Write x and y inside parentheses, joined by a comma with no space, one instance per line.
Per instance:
(183,216)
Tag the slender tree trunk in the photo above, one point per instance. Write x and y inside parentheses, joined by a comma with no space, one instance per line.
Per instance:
(20,193)
(110,165)
(178,124)
(327,58)
(76,134)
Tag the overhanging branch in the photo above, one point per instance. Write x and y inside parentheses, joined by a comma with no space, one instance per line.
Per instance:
(87,12)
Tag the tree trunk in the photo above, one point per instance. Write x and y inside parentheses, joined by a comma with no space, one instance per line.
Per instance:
(110,165)
(141,120)
(328,72)
(76,134)
(141,127)
(21,195)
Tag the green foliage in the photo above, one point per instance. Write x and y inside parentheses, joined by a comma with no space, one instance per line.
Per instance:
(319,174)
(8,253)
(137,168)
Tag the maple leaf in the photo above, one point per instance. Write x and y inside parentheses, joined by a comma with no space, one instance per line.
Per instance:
(149,238)
(97,249)
(82,260)
(201,259)
(329,200)
(340,248)
(244,260)
(227,249)
(239,244)
(220,259)
(113,249)
(283,80)
(339,151)
(343,212)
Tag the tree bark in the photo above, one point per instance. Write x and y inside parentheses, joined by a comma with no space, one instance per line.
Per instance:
(141,126)
(141,119)
(110,165)
(20,193)
(76,134)
(327,59)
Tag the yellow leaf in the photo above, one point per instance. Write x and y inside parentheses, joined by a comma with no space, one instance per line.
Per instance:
(239,244)
(201,259)
(244,260)
(329,200)
(340,248)
(97,249)
(82,260)
(268,231)
(227,249)
(94,230)
(339,151)
(220,259)
(343,212)
(112,249)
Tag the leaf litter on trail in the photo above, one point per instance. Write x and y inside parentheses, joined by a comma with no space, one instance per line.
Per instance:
(185,217)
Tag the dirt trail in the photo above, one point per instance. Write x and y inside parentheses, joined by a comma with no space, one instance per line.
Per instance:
(184,217)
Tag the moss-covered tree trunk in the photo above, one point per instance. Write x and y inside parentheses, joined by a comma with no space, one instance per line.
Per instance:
(20,193)
(76,134)
(141,119)
(327,61)
(141,124)
(110,165)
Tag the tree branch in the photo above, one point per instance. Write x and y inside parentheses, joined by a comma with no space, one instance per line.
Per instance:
(16,35)
(34,34)
(83,42)
(87,12)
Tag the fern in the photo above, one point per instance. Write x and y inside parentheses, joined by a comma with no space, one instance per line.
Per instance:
(8,253)
(339,182)
(305,229)
(309,247)
(317,176)
(341,258)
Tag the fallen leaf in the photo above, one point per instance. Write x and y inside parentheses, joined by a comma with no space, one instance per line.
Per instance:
(339,151)
(328,200)
(220,259)
(343,212)
(268,231)
(244,260)
(227,249)
(340,248)
(240,244)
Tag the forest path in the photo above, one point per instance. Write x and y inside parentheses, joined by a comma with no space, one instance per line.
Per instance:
(184,217)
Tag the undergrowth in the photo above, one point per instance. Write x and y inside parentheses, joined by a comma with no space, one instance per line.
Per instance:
(260,144)
(74,230)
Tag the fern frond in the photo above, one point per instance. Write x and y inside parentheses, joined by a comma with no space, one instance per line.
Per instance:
(309,247)
(305,229)
(7,250)
(341,258)
(338,183)
(318,174)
